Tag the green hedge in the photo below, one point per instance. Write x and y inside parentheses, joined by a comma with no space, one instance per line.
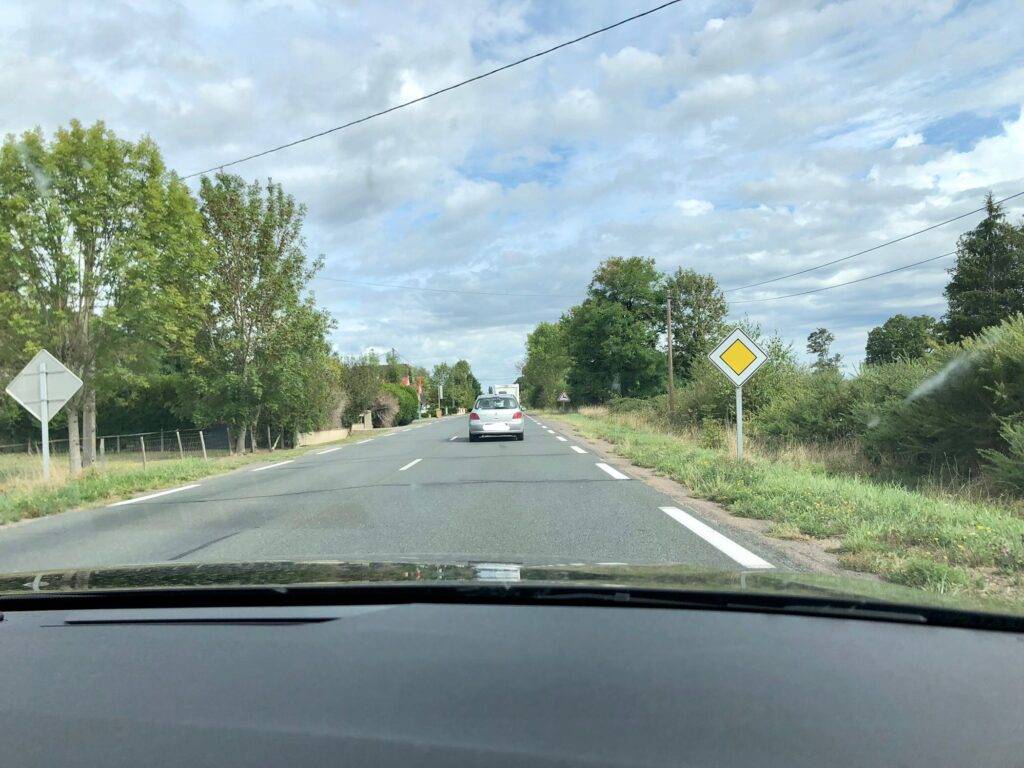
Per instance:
(408,403)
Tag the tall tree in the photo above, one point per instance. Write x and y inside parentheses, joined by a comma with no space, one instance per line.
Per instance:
(900,338)
(698,317)
(361,380)
(613,334)
(259,273)
(462,385)
(547,365)
(987,283)
(819,344)
(85,219)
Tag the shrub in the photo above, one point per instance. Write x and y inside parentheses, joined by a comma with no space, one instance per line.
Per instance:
(384,409)
(1007,468)
(713,435)
(955,411)
(630,405)
(814,407)
(408,402)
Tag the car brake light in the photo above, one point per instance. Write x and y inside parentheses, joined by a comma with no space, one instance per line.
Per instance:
(517,415)
(474,416)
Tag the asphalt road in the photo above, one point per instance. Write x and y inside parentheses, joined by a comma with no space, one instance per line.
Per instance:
(420,493)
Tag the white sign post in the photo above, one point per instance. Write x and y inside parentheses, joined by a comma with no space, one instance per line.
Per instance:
(42,388)
(738,357)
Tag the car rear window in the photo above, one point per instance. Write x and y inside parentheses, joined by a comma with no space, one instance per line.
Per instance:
(490,403)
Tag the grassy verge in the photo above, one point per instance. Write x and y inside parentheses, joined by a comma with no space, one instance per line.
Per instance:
(121,480)
(907,537)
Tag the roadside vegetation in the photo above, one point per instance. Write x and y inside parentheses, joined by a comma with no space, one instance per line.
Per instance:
(24,497)
(176,307)
(913,462)
(943,543)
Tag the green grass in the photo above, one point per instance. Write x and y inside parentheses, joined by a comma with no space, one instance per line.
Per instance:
(119,480)
(910,538)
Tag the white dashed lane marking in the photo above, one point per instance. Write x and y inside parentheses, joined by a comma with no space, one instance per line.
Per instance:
(611,471)
(741,555)
(412,463)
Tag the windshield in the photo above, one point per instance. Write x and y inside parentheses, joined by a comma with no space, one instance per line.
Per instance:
(276,283)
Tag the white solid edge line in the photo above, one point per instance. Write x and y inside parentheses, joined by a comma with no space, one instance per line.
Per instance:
(330,450)
(453,437)
(611,471)
(741,555)
(367,440)
(577,449)
(152,495)
(271,466)
(412,463)
(559,437)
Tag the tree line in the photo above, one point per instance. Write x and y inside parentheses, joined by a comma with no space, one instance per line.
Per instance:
(172,307)
(921,374)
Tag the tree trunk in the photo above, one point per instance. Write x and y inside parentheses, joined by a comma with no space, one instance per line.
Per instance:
(74,453)
(240,441)
(89,429)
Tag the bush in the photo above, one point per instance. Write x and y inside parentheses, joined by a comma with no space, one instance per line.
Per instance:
(384,409)
(713,436)
(956,408)
(814,407)
(1007,468)
(630,405)
(408,402)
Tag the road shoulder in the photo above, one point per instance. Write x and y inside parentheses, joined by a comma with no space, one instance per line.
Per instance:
(811,556)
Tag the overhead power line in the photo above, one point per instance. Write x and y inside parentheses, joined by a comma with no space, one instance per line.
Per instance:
(438,92)
(868,250)
(448,290)
(848,282)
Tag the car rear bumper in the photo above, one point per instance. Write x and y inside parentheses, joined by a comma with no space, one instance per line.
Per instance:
(510,428)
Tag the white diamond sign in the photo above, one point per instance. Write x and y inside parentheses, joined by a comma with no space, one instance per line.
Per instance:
(738,357)
(59,385)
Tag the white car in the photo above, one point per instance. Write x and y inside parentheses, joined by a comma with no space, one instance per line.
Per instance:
(496,415)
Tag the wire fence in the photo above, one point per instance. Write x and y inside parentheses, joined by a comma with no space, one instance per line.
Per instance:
(23,459)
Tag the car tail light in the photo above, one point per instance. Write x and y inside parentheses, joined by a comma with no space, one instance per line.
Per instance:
(474,416)
(517,415)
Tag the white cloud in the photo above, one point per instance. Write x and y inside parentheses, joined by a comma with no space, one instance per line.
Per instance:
(694,207)
(908,140)
(784,114)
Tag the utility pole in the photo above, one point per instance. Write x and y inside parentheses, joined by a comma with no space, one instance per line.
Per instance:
(671,375)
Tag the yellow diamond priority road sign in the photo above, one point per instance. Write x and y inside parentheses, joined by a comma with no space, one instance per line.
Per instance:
(738,357)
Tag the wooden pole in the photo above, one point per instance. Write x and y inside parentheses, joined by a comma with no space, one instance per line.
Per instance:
(671,373)
(142,444)
(177,434)
(202,444)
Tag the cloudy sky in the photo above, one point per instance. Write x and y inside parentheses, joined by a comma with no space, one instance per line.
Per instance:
(744,139)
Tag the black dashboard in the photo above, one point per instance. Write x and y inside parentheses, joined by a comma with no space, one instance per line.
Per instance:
(502,685)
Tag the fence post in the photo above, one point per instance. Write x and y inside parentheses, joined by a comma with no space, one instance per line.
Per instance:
(177,434)
(118,444)
(103,450)
(202,444)
(142,442)
(268,437)
(230,451)
(161,441)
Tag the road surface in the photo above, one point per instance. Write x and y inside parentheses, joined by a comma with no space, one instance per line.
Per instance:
(421,493)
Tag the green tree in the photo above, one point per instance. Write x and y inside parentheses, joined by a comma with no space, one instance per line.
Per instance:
(613,335)
(698,317)
(612,353)
(259,272)
(361,380)
(819,344)
(900,338)
(987,283)
(91,228)
(547,365)
(462,385)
